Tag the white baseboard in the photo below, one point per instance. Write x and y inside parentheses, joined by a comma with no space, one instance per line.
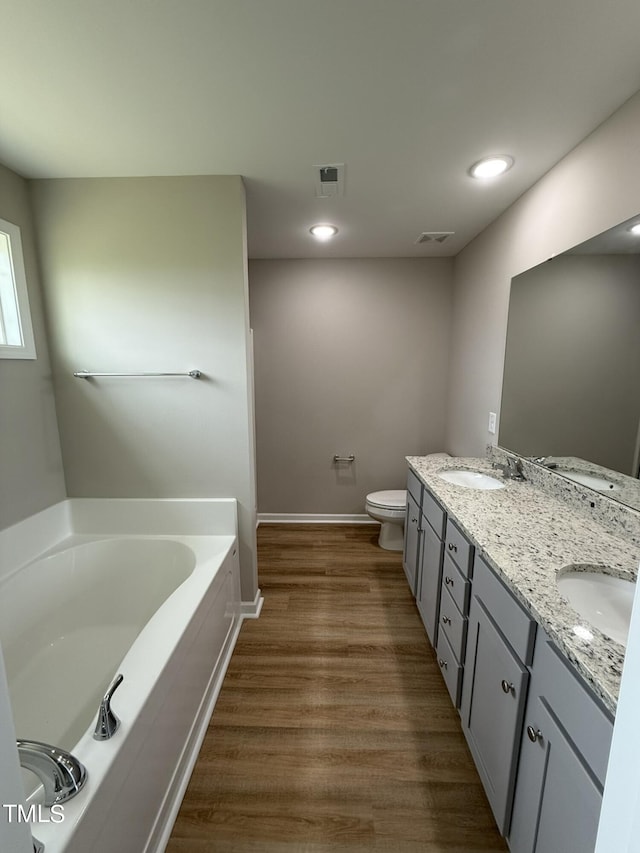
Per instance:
(251,609)
(313,518)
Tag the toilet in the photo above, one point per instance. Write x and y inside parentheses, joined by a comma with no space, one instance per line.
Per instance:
(389,509)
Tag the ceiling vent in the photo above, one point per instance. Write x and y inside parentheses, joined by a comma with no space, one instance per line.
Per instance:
(329,180)
(434,236)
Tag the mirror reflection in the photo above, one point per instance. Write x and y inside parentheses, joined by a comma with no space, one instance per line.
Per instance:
(570,395)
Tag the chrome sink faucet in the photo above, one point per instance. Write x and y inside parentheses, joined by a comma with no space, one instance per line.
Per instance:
(61,774)
(512,470)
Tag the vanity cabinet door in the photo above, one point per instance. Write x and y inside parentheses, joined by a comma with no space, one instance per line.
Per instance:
(563,760)
(492,709)
(430,576)
(411,542)
(558,802)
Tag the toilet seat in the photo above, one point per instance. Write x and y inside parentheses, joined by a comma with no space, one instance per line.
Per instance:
(392,499)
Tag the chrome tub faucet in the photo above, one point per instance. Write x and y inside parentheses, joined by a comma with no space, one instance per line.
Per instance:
(61,774)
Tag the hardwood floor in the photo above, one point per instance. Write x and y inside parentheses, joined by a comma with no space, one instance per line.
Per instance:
(333,731)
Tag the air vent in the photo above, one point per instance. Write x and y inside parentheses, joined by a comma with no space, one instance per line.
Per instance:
(329,180)
(434,236)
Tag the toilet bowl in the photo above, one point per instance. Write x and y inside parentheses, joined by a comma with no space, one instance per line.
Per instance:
(389,509)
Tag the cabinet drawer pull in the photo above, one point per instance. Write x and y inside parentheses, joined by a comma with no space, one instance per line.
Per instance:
(453,547)
(448,580)
(507,687)
(446,620)
(533,734)
(443,663)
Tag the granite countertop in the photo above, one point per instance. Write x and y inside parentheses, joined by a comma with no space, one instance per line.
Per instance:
(527,535)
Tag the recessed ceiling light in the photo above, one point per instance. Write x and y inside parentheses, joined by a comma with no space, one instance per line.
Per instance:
(323,232)
(635,229)
(491,167)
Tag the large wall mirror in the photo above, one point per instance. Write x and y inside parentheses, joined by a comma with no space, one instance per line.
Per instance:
(571,388)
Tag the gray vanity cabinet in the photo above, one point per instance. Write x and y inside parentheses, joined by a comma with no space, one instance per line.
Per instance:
(430,564)
(412,537)
(499,650)
(563,761)
(539,736)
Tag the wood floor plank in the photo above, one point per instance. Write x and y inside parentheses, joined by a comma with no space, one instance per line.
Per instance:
(333,731)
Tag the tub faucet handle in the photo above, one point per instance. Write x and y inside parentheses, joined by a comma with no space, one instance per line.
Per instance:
(107,724)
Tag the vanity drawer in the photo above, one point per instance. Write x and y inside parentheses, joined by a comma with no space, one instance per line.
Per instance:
(453,623)
(513,621)
(450,668)
(414,487)
(434,513)
(456,584)
(459,548)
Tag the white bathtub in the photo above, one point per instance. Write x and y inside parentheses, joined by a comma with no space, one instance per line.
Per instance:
(149,589)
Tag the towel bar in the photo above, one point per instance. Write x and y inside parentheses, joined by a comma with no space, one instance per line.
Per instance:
(86,374)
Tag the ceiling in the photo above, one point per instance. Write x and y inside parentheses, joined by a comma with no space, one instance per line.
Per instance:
(406,93)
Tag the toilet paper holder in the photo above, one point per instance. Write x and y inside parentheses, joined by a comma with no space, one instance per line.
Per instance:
(349,458)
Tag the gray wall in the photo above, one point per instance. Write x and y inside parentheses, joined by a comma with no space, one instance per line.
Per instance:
(571,365)
(351,356)
(31,474)
(592,189)
(149,274)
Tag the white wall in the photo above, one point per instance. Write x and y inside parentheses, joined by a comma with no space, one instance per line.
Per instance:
(31,474)
(351,357)
(619,828)
(149,274)
(594,188)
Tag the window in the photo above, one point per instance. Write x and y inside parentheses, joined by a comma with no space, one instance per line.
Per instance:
(16,334)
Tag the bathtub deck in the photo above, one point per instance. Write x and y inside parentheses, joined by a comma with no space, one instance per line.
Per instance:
(333,730)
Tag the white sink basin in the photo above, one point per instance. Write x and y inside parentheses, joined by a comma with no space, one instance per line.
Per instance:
(470,479)
(592,481)
(603,600)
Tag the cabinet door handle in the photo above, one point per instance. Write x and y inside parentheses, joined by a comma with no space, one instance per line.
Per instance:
(453,547)
(507,687)
(446,620)
(414,521)
(442,663)
(448,580)
(533,734)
